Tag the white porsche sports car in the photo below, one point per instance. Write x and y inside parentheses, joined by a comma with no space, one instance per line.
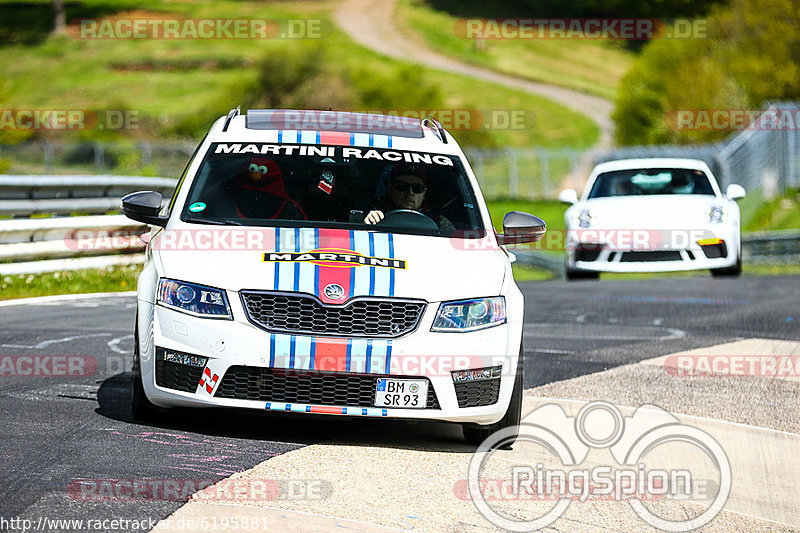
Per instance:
(652,215)
(330,263)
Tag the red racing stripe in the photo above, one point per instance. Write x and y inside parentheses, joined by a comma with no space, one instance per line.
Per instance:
(326,409)
(334,137)
(339,240)
(330,354)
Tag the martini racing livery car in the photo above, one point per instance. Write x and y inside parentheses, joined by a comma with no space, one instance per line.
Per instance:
(330,263)
(652,215)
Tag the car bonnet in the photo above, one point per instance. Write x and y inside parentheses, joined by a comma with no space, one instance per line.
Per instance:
(333,264)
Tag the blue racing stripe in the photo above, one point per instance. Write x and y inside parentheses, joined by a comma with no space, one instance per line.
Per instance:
(391,256)
(269,404)
(352,139)
(317,138)
(277,263)
(384,412)
(292,341)
(272,350)
(371,139)
(388,356)
(352,270)
(311,354)
(390,141)
(316,267)
(349,354)
(296,265)
(280,140)
(368,362)
(372,269)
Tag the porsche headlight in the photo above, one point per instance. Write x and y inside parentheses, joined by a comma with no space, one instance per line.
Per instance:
(197,300)
(470,315)
(584,219)
(716,215)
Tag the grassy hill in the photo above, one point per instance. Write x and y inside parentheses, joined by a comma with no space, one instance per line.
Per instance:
(183,84)
(590,66)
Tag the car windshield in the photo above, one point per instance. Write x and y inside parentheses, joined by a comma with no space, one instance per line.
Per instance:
(333,186)
(640,182)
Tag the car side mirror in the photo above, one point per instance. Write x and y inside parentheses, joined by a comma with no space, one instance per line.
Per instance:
(519,228)
(568,196)
(735,192)
(143,206)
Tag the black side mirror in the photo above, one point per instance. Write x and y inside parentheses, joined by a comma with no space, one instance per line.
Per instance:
(143,206)
(519,227)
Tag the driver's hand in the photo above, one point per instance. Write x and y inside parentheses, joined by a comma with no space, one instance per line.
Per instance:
(373,217)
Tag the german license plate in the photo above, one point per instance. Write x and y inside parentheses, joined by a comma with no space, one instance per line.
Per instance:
(404,393)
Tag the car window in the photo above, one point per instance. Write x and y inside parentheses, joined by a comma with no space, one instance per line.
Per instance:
(330,186)
(639,182)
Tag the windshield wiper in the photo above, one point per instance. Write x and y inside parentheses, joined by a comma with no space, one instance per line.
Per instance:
(215,222)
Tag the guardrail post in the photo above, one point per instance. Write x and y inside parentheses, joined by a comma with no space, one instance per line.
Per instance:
(99,156)
(48,156)
(147,152)
(513,173)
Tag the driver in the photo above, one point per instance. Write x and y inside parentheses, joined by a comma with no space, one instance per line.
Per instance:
(407,187)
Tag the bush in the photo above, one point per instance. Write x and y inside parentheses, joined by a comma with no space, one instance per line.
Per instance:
(751,54)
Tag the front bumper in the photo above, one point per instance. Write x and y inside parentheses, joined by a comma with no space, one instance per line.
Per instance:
(237,350)
(599,257)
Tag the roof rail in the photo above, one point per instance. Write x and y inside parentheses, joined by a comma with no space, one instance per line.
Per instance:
(232,113)
(431,122)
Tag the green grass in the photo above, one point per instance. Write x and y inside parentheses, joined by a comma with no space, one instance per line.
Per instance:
(66,73)
(113,279)
(779,213)
(589,66)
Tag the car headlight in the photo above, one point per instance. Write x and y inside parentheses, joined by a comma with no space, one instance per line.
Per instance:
(584,219)
(197,300)
(470,315)
(716,215)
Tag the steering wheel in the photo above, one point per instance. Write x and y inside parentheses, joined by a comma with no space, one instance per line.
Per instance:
(408,218)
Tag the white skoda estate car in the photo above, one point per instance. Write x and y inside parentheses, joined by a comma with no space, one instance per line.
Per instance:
(330,263)
(652,215)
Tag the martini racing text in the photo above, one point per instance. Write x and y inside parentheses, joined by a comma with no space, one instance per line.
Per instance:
(334,151)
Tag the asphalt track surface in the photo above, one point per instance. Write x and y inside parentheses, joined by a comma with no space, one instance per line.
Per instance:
(60,429)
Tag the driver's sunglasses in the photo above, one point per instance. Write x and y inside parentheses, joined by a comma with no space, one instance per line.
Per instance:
(403,186)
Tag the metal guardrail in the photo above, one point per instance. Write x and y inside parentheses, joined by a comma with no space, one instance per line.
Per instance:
(772,247)
(22,195)
(35,245)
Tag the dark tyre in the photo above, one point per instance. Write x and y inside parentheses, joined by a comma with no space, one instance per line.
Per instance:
(573,274)
(728,272)
(141,408)
(476,434)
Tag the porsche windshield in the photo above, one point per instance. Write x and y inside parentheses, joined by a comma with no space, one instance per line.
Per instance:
(335,186)
(638,182)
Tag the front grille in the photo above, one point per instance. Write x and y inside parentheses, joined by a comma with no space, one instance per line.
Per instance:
(478,393)
(305,314)
(660,255)
(176,376)
(306,387)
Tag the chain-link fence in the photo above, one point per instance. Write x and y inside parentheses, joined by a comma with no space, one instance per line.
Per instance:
(46,157)
(765,157)
(761,159)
